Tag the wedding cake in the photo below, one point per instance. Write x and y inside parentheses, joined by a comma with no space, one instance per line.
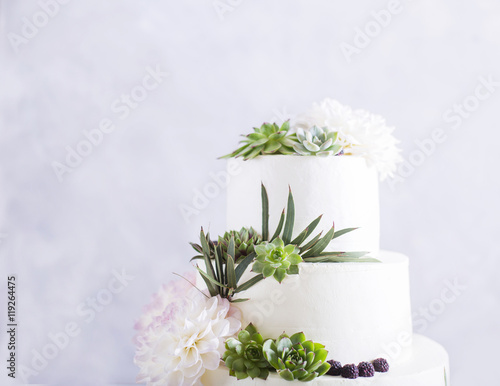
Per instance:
(319,301)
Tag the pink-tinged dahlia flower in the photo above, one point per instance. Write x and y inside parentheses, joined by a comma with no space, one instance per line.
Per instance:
(182,334)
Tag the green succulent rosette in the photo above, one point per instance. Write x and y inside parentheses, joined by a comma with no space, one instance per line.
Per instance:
(267,139)
(277,260)
(295,358)
(317,141)
(244,242)
(244,356)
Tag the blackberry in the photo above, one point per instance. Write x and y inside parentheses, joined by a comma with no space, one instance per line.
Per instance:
(366,369)
(335,369)
(381,365)
(350,371)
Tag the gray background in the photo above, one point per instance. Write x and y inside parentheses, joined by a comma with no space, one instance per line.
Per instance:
(228,71)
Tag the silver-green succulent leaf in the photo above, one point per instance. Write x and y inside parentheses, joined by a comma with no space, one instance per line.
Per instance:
(267,139)
(277,260)
(317,141)
(244,356)
(295,358)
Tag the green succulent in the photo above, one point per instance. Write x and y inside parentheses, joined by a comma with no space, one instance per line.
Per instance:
(222,278)
(267,139)
(317,141)
(296,358)
(244,356)
(276,259)
(312,250)
(244,241)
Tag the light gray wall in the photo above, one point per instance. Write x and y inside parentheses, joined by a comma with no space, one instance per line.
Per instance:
(229,69)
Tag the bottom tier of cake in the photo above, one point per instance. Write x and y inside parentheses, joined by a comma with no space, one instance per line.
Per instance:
(428,365)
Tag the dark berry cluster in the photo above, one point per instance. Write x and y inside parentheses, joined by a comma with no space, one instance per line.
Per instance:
(335,368)
(381,365)
(363,369)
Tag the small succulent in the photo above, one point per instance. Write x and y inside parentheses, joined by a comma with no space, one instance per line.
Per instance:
(244,356)
(244,242)
(276,259)
(317,141)
(267,139)
(222,278)
(296,358)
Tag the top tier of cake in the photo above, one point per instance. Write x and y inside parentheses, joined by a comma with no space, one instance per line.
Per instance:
(341,188)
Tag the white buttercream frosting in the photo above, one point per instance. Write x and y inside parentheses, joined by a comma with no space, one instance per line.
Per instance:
(359,311)
(342,188)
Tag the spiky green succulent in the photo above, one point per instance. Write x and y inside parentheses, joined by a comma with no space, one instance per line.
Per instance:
(244,242)
(276,259)
(267,139)
(317,141)
(222,278)
(296,358)
(312,250)
(244,356)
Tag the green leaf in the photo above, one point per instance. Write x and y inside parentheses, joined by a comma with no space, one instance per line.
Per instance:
(254,153)
(251,329)
(196,247)
(308,345)
(239,300)
(206,254)
(259,142)
(242,266)
(265,213)
(285,126)
(321,244)
(280,274)
(293,270)
(254,280)
(306,232)
(320,355)
(231,275)
(333,259)
(230,248)
(299,337)
(286,375)
(343,232)
(280,225)
(294,259)
(284,343)
(211,280)
(258,267)
(290,218)
(253,373)
(213,290)
(219,264)
(323,369)
(268,271)
(309,378)
(271,147)
(244,336)
(311,243)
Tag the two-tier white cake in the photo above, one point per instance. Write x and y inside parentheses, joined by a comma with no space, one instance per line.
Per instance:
(359,311)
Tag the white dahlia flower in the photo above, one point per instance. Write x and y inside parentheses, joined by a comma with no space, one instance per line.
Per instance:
(185,336)
(360,133)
